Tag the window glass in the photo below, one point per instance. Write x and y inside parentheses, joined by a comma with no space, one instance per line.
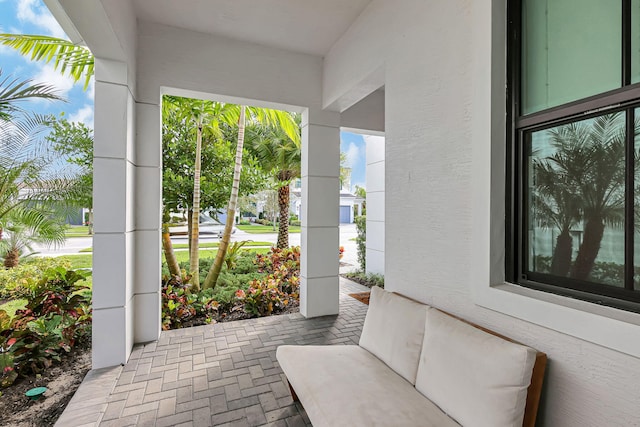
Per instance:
(571,49)
(574,200)
(635,41)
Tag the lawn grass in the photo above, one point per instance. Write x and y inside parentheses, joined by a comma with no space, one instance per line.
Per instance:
(85,260)
(11,306)
(77,231)
(265,229)
(183,256)
(202,245)
(79,261)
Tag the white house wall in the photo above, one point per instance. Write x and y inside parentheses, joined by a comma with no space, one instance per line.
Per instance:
(375,177)
(437,78)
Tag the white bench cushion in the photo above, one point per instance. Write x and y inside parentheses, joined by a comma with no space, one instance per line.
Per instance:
(393,331)
(475,377)
(345,385)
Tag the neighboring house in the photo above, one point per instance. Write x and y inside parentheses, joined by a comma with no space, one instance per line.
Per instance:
(431,76)
(75,216)
(349,204)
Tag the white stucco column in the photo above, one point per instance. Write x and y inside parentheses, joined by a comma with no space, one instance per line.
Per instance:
(148,212)
(319,291)
(375,204)
(114,195)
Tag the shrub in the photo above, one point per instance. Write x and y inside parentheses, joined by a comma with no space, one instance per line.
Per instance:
(57,314)
(366,279)
(179,306)
(361,241)
(278,289)
(20,282)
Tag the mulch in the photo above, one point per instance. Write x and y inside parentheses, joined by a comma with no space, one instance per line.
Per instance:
(363,297)
(61,380)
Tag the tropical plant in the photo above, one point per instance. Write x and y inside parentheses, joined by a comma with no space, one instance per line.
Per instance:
(167,247)
(269,117)
(22,281)
(361,241)
(74,60)
(15,91)
(34,192)
(281,156)
(74,141)
(56,316)
(20,236)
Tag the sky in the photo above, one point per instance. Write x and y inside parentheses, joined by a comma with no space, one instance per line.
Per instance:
(353,146)
(33,17)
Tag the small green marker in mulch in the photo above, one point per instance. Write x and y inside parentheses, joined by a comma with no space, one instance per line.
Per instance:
(35,393)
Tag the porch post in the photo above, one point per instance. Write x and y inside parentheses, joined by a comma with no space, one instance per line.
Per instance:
(319,291)
(114,239)
(148,207)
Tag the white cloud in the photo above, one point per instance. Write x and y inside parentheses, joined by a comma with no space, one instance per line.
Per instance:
(353,154)
(47,75)
(34,12)
(91,90)
(83,115)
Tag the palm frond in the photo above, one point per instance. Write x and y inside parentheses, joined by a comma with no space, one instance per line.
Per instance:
(74,60)
(13,91)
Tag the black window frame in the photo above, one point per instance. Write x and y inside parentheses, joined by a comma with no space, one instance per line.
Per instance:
(625,99)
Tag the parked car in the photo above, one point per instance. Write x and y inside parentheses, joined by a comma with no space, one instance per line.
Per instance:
(208,225)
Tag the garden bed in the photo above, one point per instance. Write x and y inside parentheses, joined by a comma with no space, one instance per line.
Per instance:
(62,380)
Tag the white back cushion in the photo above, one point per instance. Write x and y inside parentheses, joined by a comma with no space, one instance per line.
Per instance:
(393,331)
(478,379)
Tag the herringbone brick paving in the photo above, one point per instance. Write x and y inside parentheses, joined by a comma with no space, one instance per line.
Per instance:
(223,375)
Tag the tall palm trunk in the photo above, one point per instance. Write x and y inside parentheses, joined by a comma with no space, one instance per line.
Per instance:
(169,255)
(194,264)
(561,261)
(214,272)
(283,228)
(588,252)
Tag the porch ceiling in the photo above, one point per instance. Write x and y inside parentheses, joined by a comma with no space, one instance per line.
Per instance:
(310,27)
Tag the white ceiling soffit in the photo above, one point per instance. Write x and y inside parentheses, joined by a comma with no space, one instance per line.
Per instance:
(305,26)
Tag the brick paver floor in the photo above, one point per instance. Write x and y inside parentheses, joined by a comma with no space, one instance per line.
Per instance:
(223,374)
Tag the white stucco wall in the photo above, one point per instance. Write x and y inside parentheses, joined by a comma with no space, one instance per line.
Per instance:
(438,76)
(375,177)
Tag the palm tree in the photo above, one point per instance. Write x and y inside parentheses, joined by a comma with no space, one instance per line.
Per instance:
(583,180)
(33,191)
(25,230)
(74,60)
(167,247)
(206,116)
(280,156)
(556,205)
(13,91)
(268,117)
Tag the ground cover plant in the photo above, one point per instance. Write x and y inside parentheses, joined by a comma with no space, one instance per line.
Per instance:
(57,314)
(250,285)
(366,279)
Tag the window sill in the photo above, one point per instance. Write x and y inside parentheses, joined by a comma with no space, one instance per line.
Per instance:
(606,326)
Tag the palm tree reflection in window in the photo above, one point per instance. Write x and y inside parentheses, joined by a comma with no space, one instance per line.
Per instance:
(576,186)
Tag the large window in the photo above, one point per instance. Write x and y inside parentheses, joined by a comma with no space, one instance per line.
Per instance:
(573,167)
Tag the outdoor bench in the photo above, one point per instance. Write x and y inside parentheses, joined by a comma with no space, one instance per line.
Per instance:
(416,366)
